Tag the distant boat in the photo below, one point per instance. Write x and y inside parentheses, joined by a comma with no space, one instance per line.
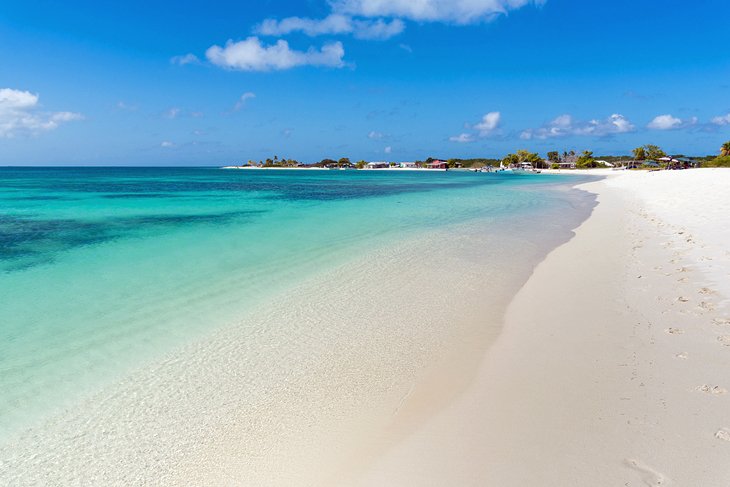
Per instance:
(522,168)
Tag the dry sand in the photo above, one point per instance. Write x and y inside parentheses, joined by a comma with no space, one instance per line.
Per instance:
(613,368)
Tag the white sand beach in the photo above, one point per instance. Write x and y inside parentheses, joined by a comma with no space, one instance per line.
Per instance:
(613,364)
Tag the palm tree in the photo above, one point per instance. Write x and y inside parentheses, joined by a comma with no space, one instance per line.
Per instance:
(639,153)
(725,149)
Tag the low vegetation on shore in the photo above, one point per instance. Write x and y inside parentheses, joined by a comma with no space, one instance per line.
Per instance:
(645,157)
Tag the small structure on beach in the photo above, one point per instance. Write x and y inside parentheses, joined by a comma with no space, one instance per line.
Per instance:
(407,165)
(437,164)
(377,165)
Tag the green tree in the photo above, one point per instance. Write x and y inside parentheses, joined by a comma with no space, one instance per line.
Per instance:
(654,151)
(344,161)
(586,160)
(553,156)
(510,159)
(725,149)
(360,164)
(639,154)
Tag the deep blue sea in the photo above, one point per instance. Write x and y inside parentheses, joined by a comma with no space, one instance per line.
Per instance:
(102,269)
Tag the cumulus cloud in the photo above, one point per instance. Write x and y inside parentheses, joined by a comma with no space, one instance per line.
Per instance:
(388,150)
(243,99)
(462,138)
(374,135)
(252,55)
(19,114)
(333,24)
(668,122)
(185,59)
(452,11)
(721,120)
(488,124)
(564,126)
(167,144)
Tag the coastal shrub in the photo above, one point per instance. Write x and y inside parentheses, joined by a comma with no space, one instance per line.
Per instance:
(718,162)
(586,160)
(555,166)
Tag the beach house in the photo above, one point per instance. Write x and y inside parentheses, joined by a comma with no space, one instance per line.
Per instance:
(437,164)
(377,165)
(407,165)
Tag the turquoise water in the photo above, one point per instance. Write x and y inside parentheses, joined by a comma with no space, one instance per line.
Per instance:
(104,269)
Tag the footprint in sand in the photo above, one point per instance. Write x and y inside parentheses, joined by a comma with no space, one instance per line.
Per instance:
(679,331)
(650,476)
(721,321)
(723,434)
(724,339)
(682,355)
(682,299)
(713,390)
(706,306)
(706,291)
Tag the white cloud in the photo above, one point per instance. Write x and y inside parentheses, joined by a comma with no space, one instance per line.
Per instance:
(242,101)
(489,123)
(126,106)
(406,48)
(664,122)
(668,122)
(721,120)
(377,29)
(373,135)
(167,144)
(564,126)
(172,113)
(19,114)
(185,59)
(462,138)
(388,150)
(453,11)
(333,24)
(252,55)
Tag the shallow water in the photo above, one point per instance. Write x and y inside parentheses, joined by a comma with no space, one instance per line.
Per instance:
(103,270)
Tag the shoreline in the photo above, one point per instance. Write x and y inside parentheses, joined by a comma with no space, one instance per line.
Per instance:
(601,362)
(610,372)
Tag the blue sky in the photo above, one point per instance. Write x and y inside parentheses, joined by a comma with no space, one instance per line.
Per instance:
(198,83)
